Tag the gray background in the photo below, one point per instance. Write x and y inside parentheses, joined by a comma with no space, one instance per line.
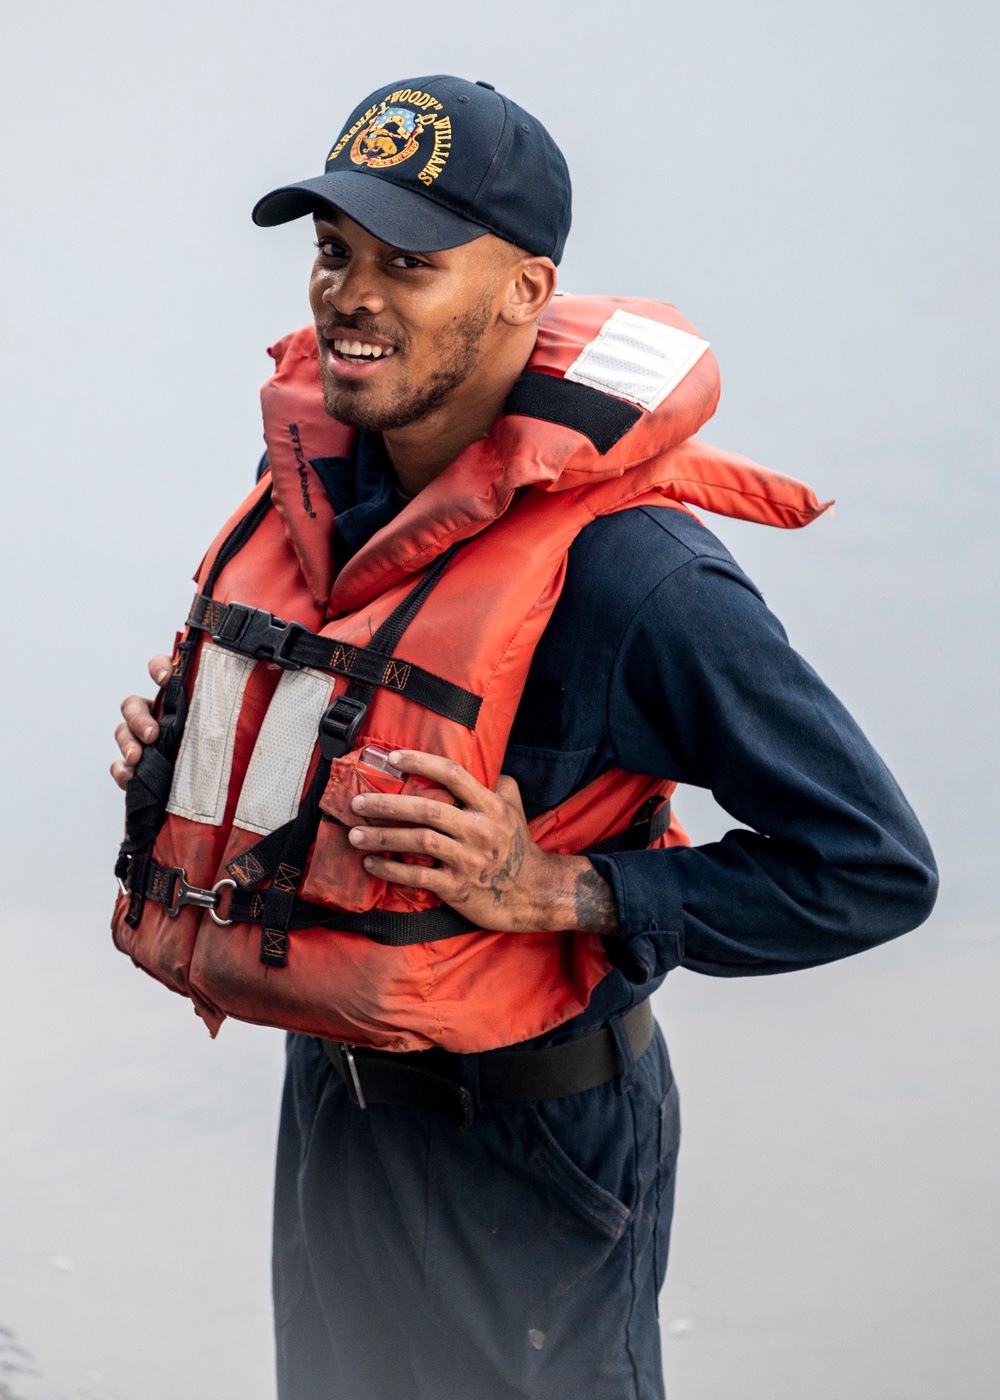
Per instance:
(815,185)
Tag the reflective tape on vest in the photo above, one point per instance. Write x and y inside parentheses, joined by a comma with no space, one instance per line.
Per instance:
(637,358)
(272,788)
(205,760)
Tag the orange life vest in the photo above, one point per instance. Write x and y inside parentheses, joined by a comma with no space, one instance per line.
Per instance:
(240,888)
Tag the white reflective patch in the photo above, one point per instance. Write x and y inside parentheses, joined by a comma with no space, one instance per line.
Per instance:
(205,760)
(637,359)
(272,788)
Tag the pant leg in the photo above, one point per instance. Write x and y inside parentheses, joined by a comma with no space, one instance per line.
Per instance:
(520,1257)
(303,1355)
(336,1331)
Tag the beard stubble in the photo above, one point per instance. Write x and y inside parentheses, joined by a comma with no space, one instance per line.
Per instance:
(457,356)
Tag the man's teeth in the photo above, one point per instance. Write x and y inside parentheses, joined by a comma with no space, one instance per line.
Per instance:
(359,349)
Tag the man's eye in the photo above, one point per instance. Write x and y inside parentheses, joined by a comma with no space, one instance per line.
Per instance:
(406,260)
(330,249)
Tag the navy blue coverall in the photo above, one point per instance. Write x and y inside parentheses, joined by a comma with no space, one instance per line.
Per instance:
(522,1257)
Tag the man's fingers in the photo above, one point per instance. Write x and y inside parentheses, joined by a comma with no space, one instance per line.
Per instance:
(450,775)
(137,713)
(140,727)
(416,877)
(508,789)
(160,667)
(131,750)
(423,811)
(121,773)
(417,841)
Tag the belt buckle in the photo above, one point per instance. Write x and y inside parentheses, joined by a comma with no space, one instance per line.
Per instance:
(352,1079)
(453,1101)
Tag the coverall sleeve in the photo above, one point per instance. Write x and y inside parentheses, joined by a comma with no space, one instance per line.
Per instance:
(833,861)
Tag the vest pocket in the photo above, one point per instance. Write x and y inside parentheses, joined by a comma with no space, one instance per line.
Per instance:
(336,875)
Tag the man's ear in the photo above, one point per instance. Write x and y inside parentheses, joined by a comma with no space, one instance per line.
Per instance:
(529,290)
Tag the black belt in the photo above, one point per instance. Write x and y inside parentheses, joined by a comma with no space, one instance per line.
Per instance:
(431,1079)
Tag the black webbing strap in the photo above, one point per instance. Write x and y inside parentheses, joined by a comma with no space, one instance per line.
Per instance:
(431,1079)
(148,790)
(282,855)
(168,885)
(649,823)
(206,614)
(259,634)
(600,417)
(389,927)
(237,538)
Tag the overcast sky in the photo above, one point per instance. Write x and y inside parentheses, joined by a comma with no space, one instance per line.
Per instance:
(814,185)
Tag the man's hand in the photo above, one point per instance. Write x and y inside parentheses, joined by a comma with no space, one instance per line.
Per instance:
(138,726)
(487,867)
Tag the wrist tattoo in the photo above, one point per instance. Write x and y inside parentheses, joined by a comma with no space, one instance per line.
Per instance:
(596,910)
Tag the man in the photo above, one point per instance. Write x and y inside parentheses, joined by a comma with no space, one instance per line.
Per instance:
(452,1218)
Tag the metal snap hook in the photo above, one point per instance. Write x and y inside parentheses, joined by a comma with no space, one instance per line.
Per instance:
(217,891)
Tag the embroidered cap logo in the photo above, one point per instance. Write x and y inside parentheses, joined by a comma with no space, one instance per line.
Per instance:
(390,133)
(388,139)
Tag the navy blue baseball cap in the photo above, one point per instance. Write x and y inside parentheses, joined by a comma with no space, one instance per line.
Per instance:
(432,163)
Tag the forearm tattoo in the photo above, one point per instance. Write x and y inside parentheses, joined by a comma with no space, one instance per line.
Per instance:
(596,910)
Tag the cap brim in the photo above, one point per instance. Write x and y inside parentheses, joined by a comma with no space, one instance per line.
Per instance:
(397,216)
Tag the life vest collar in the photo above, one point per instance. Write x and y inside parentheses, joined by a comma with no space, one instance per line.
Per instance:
(611,397)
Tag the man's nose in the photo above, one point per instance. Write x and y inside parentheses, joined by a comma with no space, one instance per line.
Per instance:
(355,291)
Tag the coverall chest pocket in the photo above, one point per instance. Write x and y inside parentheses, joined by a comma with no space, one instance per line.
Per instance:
(546,777)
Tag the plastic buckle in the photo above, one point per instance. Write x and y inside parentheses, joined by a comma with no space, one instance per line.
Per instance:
(254,632)
(339,725)
(173,704)
(124,863)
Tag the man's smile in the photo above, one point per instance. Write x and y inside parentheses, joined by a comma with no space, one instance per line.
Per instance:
(354,355)
(356,350)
